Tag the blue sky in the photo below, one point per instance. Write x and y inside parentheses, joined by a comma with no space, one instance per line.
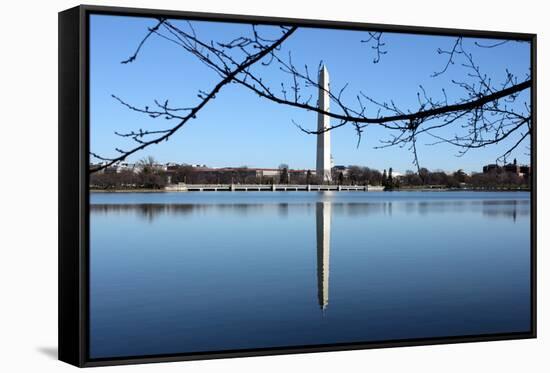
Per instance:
(239,128)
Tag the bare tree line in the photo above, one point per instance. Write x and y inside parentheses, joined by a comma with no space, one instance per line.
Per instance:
(486,114)
(147,174)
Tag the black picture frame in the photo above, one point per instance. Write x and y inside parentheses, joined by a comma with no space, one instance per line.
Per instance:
(73,250)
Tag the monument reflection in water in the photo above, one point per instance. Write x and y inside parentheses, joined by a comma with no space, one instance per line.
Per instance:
(323,217)
(191,272)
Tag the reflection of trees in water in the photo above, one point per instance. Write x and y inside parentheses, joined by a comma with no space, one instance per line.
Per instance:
(489,208)
(509,209)
(150,211)
(362,209)
(435,206)
(283,209)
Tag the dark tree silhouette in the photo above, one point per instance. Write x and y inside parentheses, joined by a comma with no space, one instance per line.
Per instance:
(486,114)
(284,175)
(340,178)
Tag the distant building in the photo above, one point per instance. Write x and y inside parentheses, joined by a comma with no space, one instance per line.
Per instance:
(491,168)
(115,168)
(174,166)
(340,168)
(267,172)
(513,168)
(235,175)
(525,170)
(160,166)
(124,166)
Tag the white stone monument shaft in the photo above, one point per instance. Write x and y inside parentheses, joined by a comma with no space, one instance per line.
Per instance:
(323,168)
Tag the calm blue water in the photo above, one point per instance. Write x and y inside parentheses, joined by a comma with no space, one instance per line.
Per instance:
(191,272)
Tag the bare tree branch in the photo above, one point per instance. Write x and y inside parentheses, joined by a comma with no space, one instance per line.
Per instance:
(484,114)
(249,61)
(149,33)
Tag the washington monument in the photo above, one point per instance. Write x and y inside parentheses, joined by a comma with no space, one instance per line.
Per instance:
(324,166)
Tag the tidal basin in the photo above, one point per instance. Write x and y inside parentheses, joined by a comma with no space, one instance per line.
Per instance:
(192,272)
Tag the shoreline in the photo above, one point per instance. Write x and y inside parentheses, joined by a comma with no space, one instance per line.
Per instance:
(439,190)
